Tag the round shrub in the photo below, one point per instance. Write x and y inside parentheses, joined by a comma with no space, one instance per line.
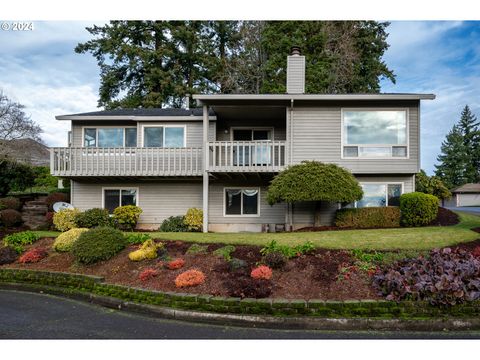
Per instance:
(175,264)
(8,255)
(10,217)
(148,250)
(275,260)
(92,218)
(418,209)
(65,219)
(33,256)
(55,197)
(127,216)
(194,219)
(64,241)
(98,244)
(190,278)
(10,203)
(261,272)
(173,224)
(147,274)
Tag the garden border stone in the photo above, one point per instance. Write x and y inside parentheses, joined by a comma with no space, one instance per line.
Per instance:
(276,313)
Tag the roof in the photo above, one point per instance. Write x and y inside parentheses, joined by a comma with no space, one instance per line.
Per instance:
(137,114)
(467,188)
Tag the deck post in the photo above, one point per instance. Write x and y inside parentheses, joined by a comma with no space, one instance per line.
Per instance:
(205,168)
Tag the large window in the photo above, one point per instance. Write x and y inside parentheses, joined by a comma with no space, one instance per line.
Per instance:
(242,202)
(113,198)
(164,136)
(110,137)
(375,133)
(375,194)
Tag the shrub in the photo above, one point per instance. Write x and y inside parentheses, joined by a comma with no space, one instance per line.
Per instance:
(148,250)
(197,249)
(236,264)
(92,218)
(246,287)
(175,264)
(190,278)
(55,197)
(98,244)
(8,255)
(147,274)
(18,240)
(127,216)
(446,277)
(225,252)
(194,219)
(10,217)
(418,209)
(33,256)
(65,240)
(65,219)
(14,175)
(275,260)
(173,224)
(136,238)
(261,272)
(288,251)
(11,203)
(368,217)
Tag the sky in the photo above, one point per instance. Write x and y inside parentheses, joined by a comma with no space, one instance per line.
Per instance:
(40,69)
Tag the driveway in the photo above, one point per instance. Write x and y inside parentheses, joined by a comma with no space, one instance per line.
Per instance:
(475,210)
(35,316)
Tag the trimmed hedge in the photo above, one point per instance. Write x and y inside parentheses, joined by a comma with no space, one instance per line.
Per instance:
(92,218)
(368,217)
(418,209)
(65,241)
(98,244)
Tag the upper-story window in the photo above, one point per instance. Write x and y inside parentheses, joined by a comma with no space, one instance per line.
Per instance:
(164,136)
(110,137)
(375,133)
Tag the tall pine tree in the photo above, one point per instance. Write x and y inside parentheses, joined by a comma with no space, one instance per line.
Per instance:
(468,126)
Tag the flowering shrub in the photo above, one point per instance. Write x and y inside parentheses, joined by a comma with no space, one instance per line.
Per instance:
(261,272)
(33,256)
(65,240)
(65,219)
(190,278)
(148,250)
(147,274)
(175,264)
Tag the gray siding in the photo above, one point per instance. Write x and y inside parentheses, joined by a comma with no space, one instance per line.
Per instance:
(295,74)
(279,129)
(157,200)
(316,135)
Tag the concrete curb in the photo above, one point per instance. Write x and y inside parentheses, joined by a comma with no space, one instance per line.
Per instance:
(258,321)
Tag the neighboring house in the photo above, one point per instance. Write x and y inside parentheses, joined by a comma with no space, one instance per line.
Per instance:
(26,150)
(221,157)
(465,195)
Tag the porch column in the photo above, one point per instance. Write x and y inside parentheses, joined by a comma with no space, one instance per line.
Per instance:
(205,168)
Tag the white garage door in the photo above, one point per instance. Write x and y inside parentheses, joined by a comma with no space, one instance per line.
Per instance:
(468,199)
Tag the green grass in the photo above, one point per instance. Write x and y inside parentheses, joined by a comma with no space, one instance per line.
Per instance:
(423,238)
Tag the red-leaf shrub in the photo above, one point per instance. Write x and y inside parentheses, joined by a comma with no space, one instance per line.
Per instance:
(49,218)
(55,197)
(10,217)
(190,278)
(261,272)
(476,252)
(175,264)
(147,274)
(33,256)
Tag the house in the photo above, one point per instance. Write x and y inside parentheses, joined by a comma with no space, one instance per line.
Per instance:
(221,156)
(465,195)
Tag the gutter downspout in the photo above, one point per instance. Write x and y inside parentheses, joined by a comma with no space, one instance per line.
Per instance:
(290,157)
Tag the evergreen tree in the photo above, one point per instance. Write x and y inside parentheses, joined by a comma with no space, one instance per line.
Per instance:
(431,185)
(468,125)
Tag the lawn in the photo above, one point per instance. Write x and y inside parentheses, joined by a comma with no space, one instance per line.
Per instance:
(422,238)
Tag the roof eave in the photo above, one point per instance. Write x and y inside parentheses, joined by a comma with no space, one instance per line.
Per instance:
(132,117)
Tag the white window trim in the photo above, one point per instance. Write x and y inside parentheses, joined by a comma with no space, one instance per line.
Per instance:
(241,202)
(271,129)
(383,183)
(342,136)
(143,126)
(137,197)
(105,127)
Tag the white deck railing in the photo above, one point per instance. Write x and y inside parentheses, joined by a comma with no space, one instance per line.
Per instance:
(246,156)
(92,161)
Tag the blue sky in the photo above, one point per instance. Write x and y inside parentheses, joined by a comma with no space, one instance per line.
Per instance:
(41,70)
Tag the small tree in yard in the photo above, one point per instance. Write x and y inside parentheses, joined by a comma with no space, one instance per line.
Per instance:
(314,181)
(431,185)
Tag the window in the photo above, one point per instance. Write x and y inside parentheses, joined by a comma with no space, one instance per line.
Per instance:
(110,137)
(113,198)
(164,136)
(374,133)
(242,202)
(380,195)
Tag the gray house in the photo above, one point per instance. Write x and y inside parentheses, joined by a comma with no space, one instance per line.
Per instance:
(221,156)
(465,195)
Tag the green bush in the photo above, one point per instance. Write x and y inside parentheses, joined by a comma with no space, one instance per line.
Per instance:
(136,238)
(18,240)
(65,219)
(368,217)
(225,252)
(10,203)
(64,241)
(418,209)
(15,176)
(43,177)
(197,249)
(10,217)
(98,244)
(126,217)
(92,218)
(194,219)
(288,251)
(173,224)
